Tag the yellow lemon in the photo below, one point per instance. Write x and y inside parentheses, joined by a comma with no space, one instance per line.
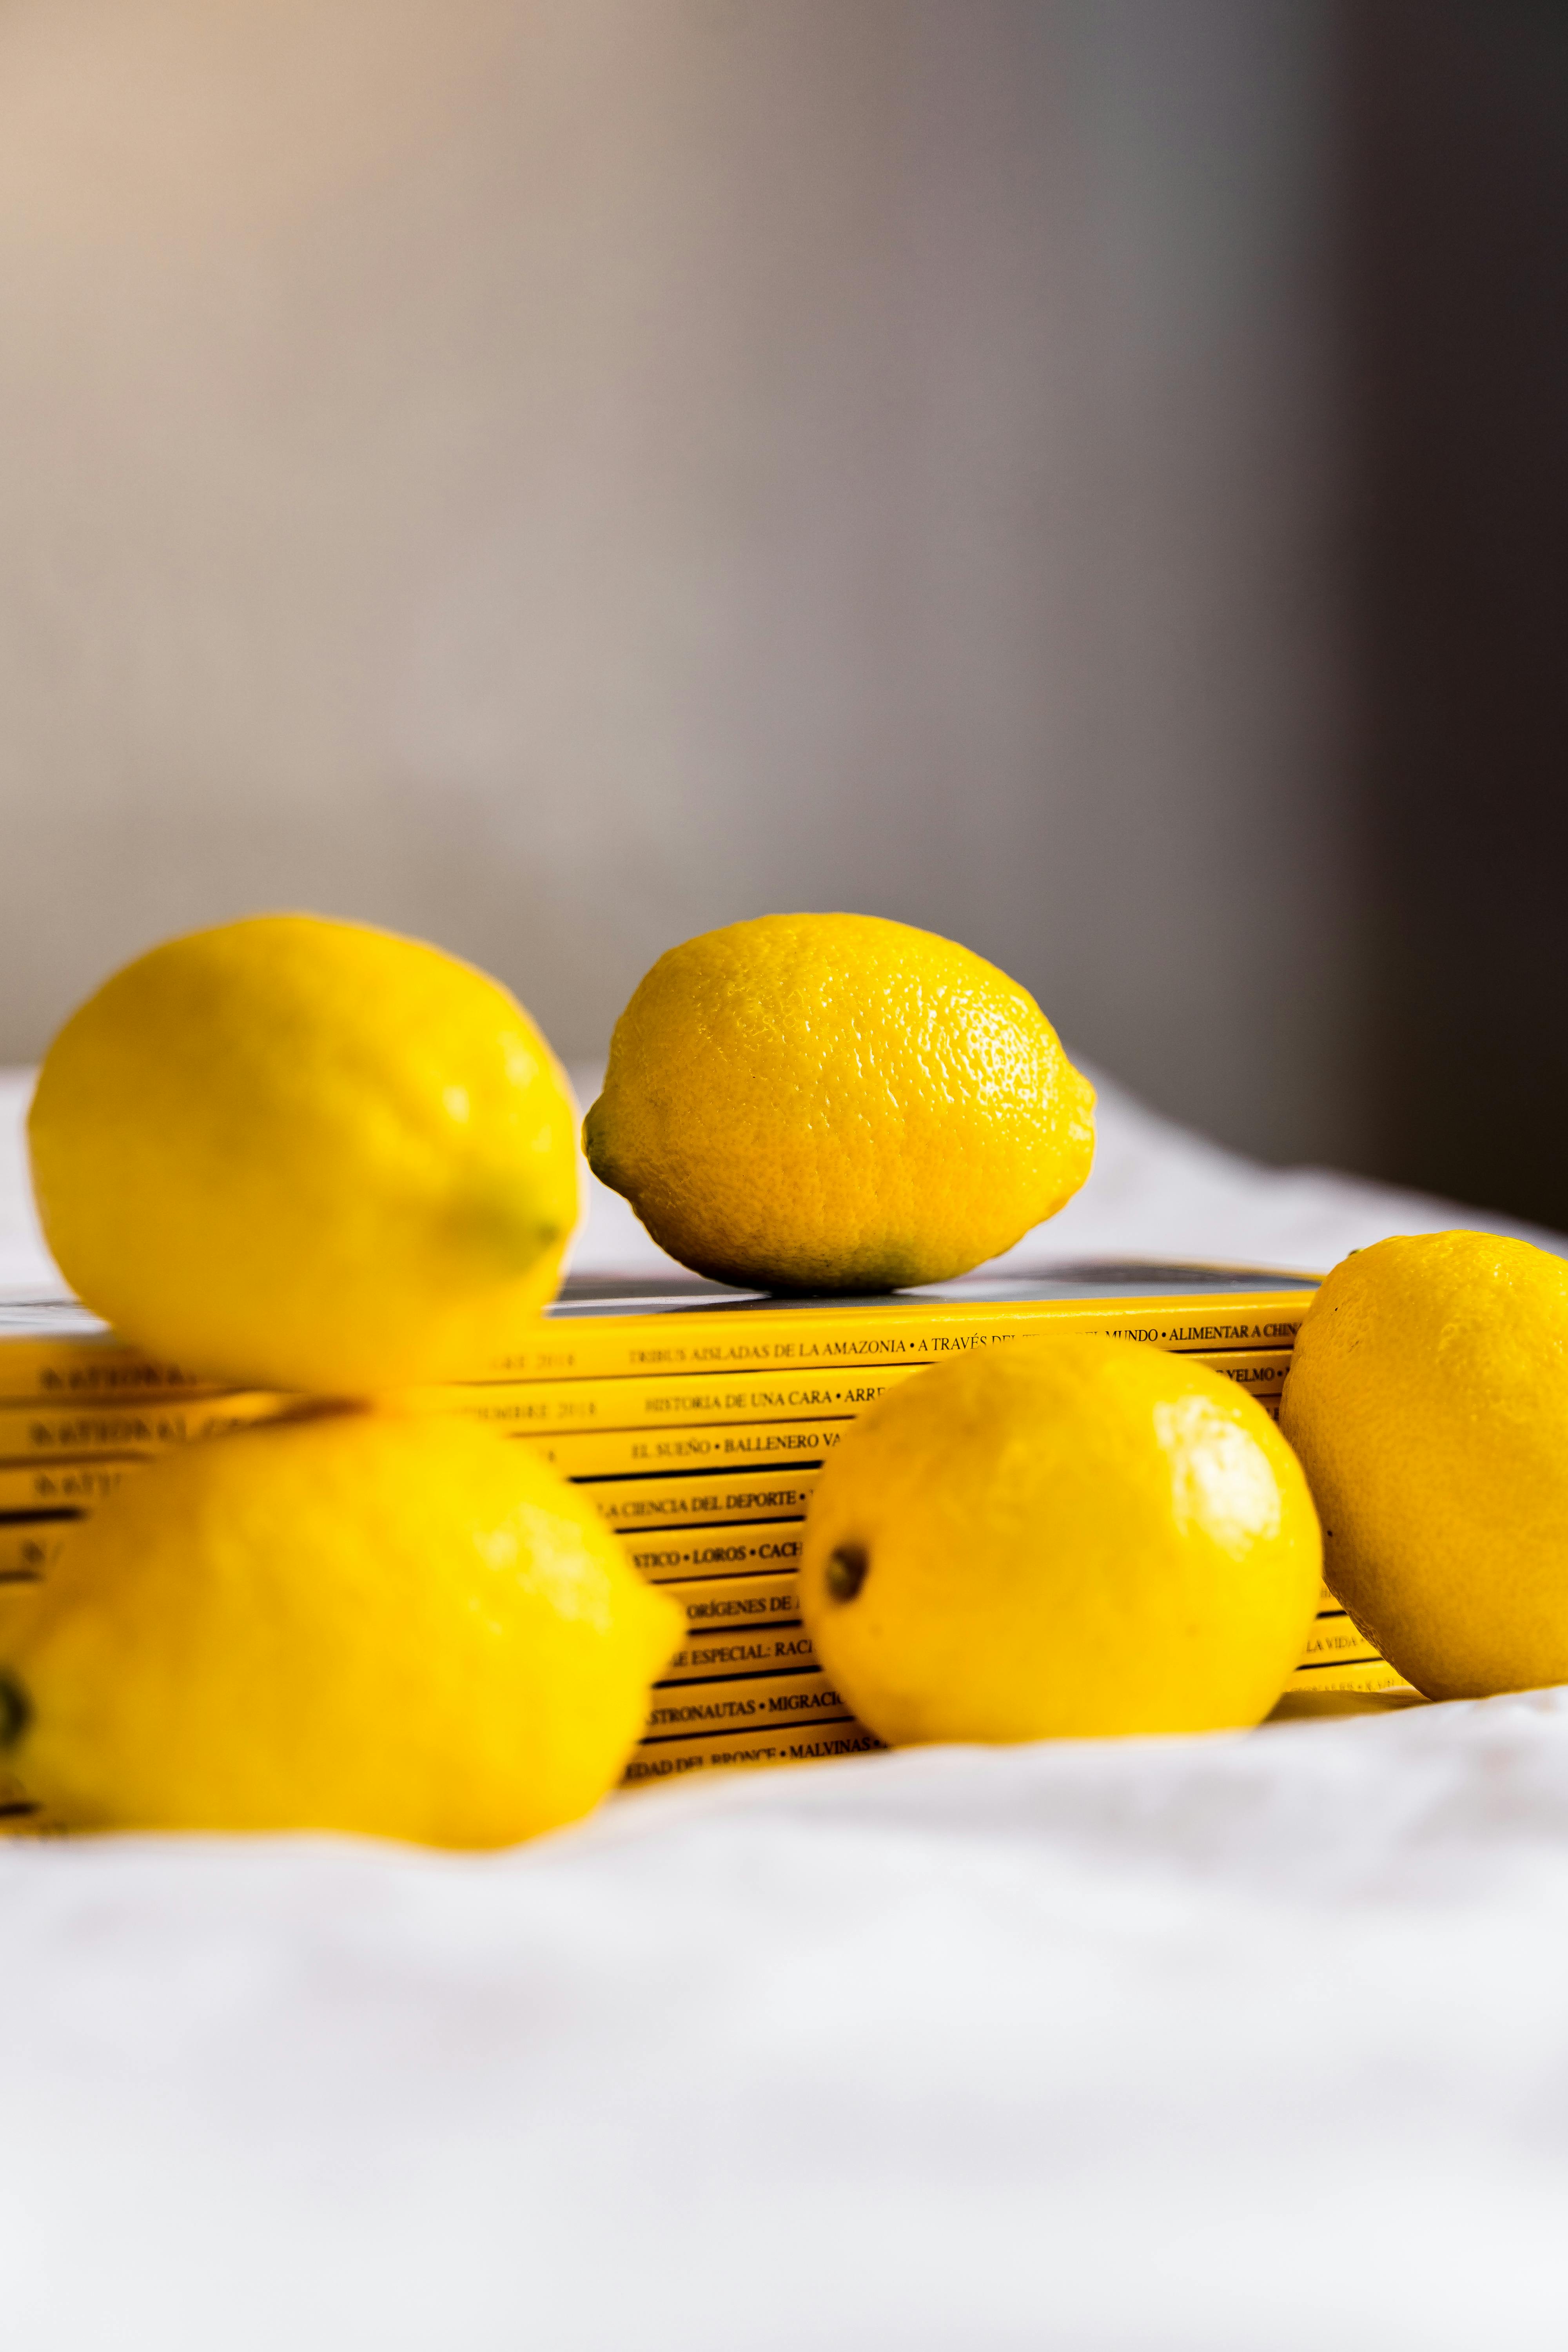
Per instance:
(365,1621)
(306,1153)
(1428,1400)
(1065,1537)
(836,1103)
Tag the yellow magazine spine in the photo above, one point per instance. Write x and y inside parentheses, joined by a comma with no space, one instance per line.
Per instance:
(30,1539)
(57,1490)
(55,1487)
(671,1401)
(827,1338)
(664,1759)
(43,1434)
(714,1554)
(638,1506)
(88,1371)
(720,1605)
(766,1492)
(46,1403)
(663,1400)
(78,1432)
(97,1368)
(1370,1672)
(723,1447)
(30,1547)
(743,1703)
(782,1647)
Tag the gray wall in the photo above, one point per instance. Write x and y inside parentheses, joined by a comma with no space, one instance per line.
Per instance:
(554,475)
(1458,186)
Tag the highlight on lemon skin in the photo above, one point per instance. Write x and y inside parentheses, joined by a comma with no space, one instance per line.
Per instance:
(1427,1398)
(836,1103)
(362,1621)
(306,1154)
(1063,1537)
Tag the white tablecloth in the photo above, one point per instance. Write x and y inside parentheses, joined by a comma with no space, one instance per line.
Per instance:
(1237,2044)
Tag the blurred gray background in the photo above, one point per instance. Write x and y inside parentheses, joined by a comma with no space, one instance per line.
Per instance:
(557,474)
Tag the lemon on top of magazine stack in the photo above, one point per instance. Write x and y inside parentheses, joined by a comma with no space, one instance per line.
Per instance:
(308,1155)
(836,1103)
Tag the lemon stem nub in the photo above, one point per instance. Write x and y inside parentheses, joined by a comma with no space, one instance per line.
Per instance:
(847,1569)
(15,1711)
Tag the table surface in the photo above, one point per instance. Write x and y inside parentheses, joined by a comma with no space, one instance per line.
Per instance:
(1231,2044)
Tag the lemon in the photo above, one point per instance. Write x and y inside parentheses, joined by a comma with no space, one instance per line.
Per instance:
(365,1621)
(307,1154)
(1428,1400)
(1068,1536)
(836,1103)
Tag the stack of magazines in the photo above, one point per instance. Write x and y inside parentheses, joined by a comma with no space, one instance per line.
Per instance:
(697,1419)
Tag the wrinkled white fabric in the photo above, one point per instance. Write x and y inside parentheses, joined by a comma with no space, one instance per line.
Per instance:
(1240,2045)
(1231,2045)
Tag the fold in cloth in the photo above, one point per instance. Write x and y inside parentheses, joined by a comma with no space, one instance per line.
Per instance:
(1218,2044)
